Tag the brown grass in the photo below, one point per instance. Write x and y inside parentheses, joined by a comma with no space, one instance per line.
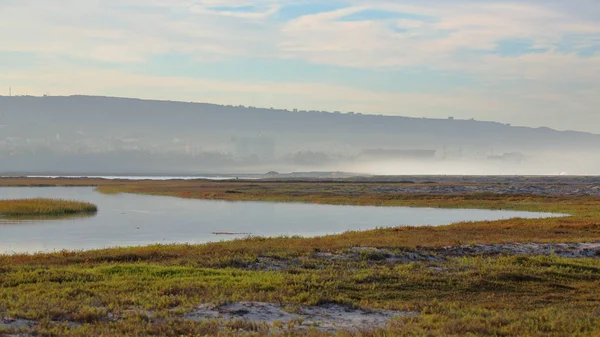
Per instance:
(44,207)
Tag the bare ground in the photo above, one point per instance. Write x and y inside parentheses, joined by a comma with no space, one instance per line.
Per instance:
(566,250)
(327,317)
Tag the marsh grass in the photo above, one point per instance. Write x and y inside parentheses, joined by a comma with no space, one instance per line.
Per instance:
(501,296)
(32,208)
(150,288)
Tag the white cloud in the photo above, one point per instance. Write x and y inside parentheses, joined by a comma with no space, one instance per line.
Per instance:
(129,31)
(458,27)
(510,106)
(125,32)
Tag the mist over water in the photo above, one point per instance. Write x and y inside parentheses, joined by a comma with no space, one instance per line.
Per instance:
(557,165)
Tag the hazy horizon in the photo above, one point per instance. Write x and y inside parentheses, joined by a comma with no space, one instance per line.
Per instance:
(107,135)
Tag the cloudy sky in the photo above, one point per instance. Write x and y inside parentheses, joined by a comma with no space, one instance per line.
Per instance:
(522,62)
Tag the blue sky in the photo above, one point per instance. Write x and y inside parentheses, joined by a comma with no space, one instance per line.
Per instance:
(522,62)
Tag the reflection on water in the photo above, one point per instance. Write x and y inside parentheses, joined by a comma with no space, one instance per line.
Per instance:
(7,220)
(132,220)
(231,177)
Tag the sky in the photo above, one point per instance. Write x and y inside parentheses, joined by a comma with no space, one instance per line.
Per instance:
(532,63)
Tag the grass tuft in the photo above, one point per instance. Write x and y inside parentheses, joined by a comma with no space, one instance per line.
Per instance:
(44,207)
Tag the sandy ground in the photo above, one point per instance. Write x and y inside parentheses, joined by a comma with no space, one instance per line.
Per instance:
(327,317)
(567,250)
(8,323)
(16,323)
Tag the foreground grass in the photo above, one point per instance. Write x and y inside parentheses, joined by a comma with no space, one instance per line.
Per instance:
(43,207)
(146,290)
(481,296)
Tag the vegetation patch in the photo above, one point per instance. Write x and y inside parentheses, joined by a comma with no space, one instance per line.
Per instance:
(514,277)
(500,296)
(44,207)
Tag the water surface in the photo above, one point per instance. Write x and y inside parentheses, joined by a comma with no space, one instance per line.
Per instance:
(133,220)
(228,177)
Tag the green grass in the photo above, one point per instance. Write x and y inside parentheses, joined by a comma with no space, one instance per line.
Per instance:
(43,207)
(484,296)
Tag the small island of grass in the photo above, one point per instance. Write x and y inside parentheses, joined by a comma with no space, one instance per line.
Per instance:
(44,207)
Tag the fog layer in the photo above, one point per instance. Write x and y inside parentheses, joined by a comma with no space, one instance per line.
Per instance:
(102,135)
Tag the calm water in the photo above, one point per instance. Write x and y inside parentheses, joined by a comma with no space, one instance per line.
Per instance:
(132,220)
(229,177)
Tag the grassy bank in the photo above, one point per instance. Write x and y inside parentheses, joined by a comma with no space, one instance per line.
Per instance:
(147,290)
(43,207)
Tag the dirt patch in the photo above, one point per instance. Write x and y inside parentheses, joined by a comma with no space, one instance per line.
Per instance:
(18,324)
(12,324)
(383,255)
(566,250)
(250,315)
(327,317)
(273,264)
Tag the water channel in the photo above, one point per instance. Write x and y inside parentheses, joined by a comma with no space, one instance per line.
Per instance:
(134,220)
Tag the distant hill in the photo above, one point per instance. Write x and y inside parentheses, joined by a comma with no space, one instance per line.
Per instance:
(89,125)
